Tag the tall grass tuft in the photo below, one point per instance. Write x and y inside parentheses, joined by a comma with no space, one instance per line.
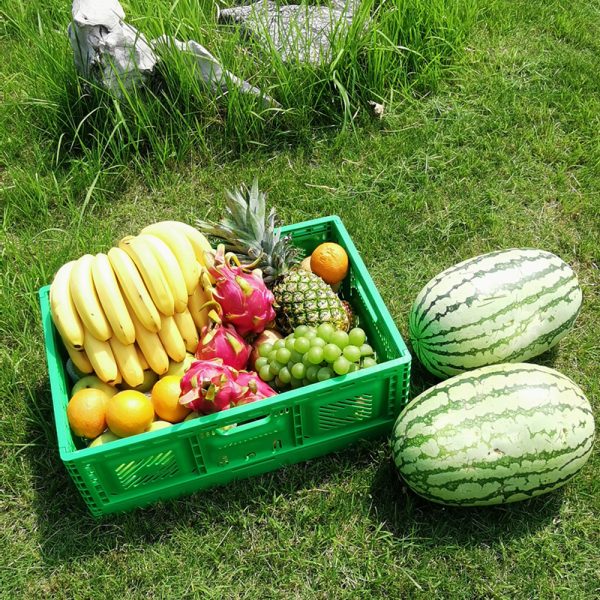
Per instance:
(393,48)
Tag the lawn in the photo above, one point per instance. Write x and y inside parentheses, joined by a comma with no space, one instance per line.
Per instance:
(499,149)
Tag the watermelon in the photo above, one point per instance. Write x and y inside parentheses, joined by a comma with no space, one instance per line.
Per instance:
(494,435)
(505,306)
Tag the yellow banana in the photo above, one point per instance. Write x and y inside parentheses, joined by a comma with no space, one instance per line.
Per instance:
(187,329)
(171,338)
(151,347)
(151,272)
(170,269)
(199,243)
(128,362)
(142,358)
(101,357)
(181,248)
(62,308)
(85,298)
(134,289)
(202,294)
(111,299)
(80,359)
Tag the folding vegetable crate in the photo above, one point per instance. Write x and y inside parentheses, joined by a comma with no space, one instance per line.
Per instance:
(288,428)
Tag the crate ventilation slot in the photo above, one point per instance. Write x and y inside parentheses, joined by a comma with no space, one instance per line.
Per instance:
(345,412)
(143,472)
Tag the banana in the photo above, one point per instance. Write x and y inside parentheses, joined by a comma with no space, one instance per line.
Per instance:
(128,362)
(151,347)
(80,359)
(151,272)
(134,290)
(199,243)
(62,308)
(171,338)
(101,357)
(187,329)
(142,358)
(181,248)
(85,298)
(170,269)
(202,294)
(111,299)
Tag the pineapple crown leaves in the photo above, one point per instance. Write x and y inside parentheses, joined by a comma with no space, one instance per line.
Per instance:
(251,235)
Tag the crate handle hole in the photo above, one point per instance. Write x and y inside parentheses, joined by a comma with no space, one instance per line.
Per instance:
(277,445)
(250,455)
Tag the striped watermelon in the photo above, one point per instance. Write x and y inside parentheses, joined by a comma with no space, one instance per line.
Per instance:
(494,435)
(505,306)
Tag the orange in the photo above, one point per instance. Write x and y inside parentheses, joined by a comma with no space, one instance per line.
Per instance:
(330,262)
(165,396)
(86,412)
(129,412)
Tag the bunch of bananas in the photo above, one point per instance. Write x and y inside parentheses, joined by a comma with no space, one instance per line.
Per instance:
(137,306)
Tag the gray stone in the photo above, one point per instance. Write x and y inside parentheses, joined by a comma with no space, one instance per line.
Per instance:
(298,32)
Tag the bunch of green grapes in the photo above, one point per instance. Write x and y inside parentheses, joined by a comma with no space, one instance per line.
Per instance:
(313,354)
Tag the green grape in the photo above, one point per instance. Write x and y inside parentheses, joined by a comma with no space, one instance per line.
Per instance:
(311,373)
(302,345)
(352,353)
(315,355)
(295,383)
(279,344)
(278,383)
(366,350)
(368,362)
(289,342)
(339,338)
(261,362)
(283,355)
(331,352)
(324,373)
(275,367)
(298,370)
(357,336)
(324,331)
(311,333)
(272,356)
(305,361)
(284,375)
(265,373)
(305,381)
(341,366)
(300,331)
(265,349)
(353,367)
(317,341)
(296,357)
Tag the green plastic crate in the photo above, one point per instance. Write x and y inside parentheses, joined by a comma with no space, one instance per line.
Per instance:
(285,429)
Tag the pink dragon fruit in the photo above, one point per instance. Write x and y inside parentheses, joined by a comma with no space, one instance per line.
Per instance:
(224,342)
(209,386)
(246,302)
(255,387)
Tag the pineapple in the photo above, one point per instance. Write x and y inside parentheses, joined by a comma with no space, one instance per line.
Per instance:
(301,297)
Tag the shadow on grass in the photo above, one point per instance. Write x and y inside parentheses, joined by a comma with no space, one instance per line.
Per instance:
(408,516)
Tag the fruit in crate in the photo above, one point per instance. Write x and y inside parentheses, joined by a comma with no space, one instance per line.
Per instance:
(505,306)
(243,296)
(165,398)
(128,413)
(210,386)
(223,342)
(301,297)
(93,382)
(137,307)
(494,435)
(86,412)
(330,262)
(268,335)
(312,354)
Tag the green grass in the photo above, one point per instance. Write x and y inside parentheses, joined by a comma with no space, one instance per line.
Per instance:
(504,153)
